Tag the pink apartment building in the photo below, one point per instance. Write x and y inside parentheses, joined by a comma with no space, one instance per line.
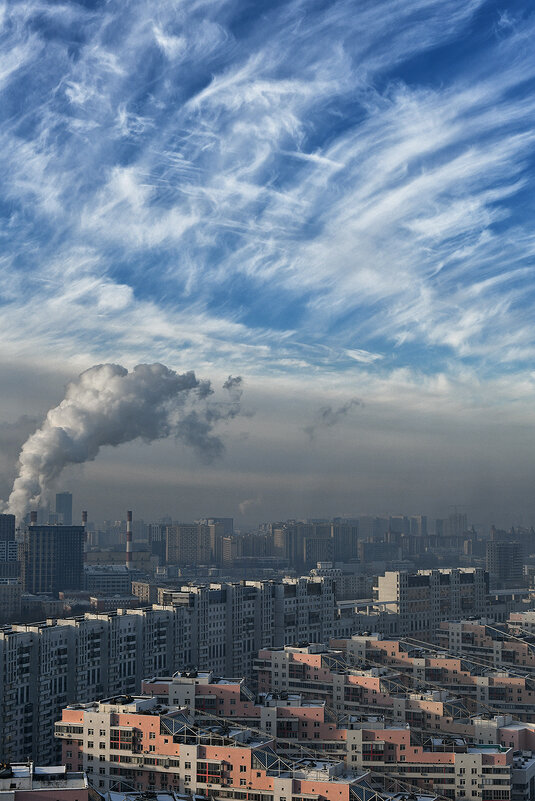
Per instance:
(136,743)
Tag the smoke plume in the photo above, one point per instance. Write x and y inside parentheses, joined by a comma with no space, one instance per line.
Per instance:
(107,405)
(328,417)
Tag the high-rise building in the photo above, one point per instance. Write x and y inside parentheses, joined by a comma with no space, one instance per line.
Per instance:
(221,627)
(64,508)
(9,549)
(52,558)
(7,528)
(419,525)
(188,544)
(505,563)
(424,599)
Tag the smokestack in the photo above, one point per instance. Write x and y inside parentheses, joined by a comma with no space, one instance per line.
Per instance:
(33,518)
(84,518)
(107,405)
(129,540)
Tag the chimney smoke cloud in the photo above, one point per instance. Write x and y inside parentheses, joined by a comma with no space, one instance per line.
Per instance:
(107,405)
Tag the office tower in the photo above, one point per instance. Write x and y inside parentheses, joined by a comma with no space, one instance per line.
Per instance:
(64,508)
(7,528)
(52,558)
(505,563)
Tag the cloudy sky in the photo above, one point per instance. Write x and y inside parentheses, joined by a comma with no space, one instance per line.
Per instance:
(333,200)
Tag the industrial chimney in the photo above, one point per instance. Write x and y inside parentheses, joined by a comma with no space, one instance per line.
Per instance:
(129,540)
(33,518)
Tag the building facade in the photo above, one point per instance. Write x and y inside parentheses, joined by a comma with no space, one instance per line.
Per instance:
(52,558)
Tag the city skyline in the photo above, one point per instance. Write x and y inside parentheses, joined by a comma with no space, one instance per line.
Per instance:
(332,201)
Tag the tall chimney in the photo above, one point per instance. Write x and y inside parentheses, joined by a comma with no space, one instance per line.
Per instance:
(84,518)
(33,518)
(129,540)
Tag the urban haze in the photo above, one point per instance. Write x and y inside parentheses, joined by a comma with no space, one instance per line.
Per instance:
(267,427)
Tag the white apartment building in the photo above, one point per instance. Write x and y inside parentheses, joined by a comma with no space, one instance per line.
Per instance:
(221,627)
(426,598)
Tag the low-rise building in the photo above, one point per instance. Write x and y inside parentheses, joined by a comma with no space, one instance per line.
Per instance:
(26,781)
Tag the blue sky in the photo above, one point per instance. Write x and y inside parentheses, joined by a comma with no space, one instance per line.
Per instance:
(336,199)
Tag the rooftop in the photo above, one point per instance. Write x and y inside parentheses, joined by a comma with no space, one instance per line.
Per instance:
(27,776)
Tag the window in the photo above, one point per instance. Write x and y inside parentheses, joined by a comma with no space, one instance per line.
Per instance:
(243,768)
(152,735)
(103,732)
(102,758)
(187,765)
(69,753)
(152,748)
(102,745)
(90,744)
(90,731)
(243,782)
(102,771)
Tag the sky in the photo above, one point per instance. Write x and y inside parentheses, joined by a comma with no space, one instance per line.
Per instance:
(333,200)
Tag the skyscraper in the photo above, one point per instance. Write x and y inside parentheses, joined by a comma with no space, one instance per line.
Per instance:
(52,558)
(64,508)
(7,528)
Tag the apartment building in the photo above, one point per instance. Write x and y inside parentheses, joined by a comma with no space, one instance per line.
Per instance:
(453,768)
(481,688)
(187,544)
(45,666)
(135,743)
(221,626)
(398,683)
(487,642)
(423,599)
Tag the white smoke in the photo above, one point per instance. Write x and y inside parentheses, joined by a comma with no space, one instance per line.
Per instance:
(107,405)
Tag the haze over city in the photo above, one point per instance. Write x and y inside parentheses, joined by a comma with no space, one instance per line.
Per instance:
(267,418)
(332,201)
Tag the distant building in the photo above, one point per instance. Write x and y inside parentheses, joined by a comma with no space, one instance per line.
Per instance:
(64,508)
(7,528)
(10,599)
(188,544)
(108,579)
(52,558)
(424,599)
(505,563)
